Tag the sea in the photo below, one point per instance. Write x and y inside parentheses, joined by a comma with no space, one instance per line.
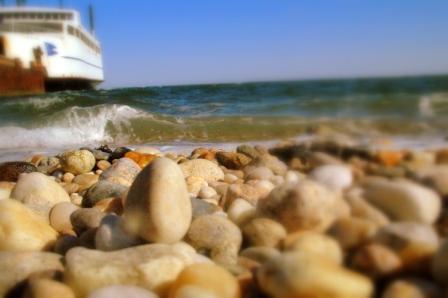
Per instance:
(411,109)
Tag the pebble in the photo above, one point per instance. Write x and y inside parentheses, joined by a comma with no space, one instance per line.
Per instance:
(122,291)
(194,184)
(102,190)
(47,288)
(158,207)
(85,181)
(86,218)
(15,267)
(376,260)
(439,266)
(22,229)
(293,177)
(297,274)
(259,254)
(352,232)
(244,191)
(315,243)
(415,243)
(248,150)
(203,168)
(77,162)
(201,207)
(10,171)
(68,177)
(218,235)
(207,192)
(60,216)
(412,288)
(263,232)
(48,165)
(233,160)
(307,205)
(215,280)
(403,200)
(335,177)
(103,165)
(148,150)
(140,158)
(110,205)
(152,266)
(121,172)
(361,208)
(258,173)
(39,192)
(436,177)
(6,189)
(240,212)
(230,178)
(111,235)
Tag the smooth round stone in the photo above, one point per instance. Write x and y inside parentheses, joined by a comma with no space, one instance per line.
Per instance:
(47,288)
(76,199)
(436,177)
(293,177)
(335,177)
(232,160)
(411,288)
(103,165)
(271,162)
(207,192)
(440,264)
(15,267)
(240,212)
(230,178)
(258,173)
(153,267)
(85,181)
(307,205)
(39,192)
(352,232)
(203,168)
(102,190)
(10,171)
(77,162)
(110,205)
(122,291)
(158,206)
(218,235)
(265,186)
(212,278)
(315,243)
(201,207)
(64,243)
(86,218)
(403,200)
(110,235)
(300,274)
(264,232)
(60,216)
(22,229)
(123,172)
(148,150)
(413,242)
(68,177)
(376,260)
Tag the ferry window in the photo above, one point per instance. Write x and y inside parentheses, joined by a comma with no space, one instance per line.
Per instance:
(71,30)
(40,16)
(69,16)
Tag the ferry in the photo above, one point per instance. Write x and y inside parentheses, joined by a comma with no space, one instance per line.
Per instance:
(47,49)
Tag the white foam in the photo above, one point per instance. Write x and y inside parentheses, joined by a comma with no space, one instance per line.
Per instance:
(74,126)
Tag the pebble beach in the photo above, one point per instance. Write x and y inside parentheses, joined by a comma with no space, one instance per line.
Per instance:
(322,217)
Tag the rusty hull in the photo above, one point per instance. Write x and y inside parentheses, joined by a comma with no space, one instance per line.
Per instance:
(16,80)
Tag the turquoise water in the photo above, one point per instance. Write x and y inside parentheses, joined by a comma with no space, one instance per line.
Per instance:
(412,107)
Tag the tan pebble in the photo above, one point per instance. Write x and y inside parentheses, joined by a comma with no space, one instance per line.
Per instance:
(110,205)
(47,288)
(300,274)
(195,184)
(103,165)
(264,232)
(411,288)
(351,232)
(77,162)
(22,229)
(202,168)
(230,178)
(315,243)
(241,211)
(60,216)
(68,177)
(76,199)
(207,192)
(260,254)
(206,277)
(376,260)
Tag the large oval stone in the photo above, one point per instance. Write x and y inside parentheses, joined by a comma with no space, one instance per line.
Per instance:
(39,192)
(153,267)
(158,207)
(23,230)
(78,161)
(403,200)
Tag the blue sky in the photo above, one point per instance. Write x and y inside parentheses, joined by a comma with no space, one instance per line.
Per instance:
(160,42)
